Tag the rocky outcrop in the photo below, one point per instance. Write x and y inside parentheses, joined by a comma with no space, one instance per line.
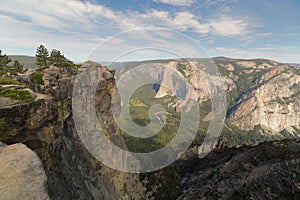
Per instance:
(270,170)
(46,126)
(21,174)
(36,123)
(30,123)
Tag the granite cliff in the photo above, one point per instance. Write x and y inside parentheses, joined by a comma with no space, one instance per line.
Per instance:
(46,126)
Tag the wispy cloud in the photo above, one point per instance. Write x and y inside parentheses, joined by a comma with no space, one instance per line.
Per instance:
(176,2)
(59,15)
(74,16)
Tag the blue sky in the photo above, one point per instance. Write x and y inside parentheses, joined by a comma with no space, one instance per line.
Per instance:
(109,29)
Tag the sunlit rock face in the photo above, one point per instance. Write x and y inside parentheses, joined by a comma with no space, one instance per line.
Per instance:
(272,102)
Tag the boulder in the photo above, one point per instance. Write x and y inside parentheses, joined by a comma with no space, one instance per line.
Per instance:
(21,174)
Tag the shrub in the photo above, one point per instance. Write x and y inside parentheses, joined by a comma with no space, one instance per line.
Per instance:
(21,95)
(41,69)
(2,124)
(37,78)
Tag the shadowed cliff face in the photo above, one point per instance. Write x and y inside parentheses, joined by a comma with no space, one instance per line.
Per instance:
(36,123)
(270,170)
(31,124)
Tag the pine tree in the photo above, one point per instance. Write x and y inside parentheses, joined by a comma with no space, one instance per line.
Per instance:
(17,66)
(42,56)
(4,60)
(58,59)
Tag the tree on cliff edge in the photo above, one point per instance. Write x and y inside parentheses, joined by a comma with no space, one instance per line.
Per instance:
(58,59)
(4,60)
(42,56)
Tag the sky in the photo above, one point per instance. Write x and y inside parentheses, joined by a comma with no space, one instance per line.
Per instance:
(111,30)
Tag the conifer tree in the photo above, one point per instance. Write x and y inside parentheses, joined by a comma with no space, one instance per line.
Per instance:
(4,60)
(58,59)
(17,66)
(42,56)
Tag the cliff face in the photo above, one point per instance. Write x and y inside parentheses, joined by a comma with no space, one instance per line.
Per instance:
(272,101)
(198,78)
(30,123)
(46,126)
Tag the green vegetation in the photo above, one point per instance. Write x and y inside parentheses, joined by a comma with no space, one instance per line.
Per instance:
(236,137)
(140,104)
(6,67)
(2,124)
(17,66)
(6,81)
(44,60)
(21,95)
(37,78)
(4,61)
(181,67)
(58,59)
(137,103)
(41,69)
(42,56)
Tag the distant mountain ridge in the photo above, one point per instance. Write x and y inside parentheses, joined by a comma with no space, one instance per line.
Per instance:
(262,95)
(27,61)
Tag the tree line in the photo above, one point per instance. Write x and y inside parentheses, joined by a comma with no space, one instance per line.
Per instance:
(5,64)
(55,57)
(43,60)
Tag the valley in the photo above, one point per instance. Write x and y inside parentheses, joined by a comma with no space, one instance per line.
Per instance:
(262,113)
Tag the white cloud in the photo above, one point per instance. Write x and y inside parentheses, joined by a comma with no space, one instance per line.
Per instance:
(181,21)
(56,14)
(79,26)
(176,2)
(185,21)
(78,16)
(227,26)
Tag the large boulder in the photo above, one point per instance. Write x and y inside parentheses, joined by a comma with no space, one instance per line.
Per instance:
(21,174)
